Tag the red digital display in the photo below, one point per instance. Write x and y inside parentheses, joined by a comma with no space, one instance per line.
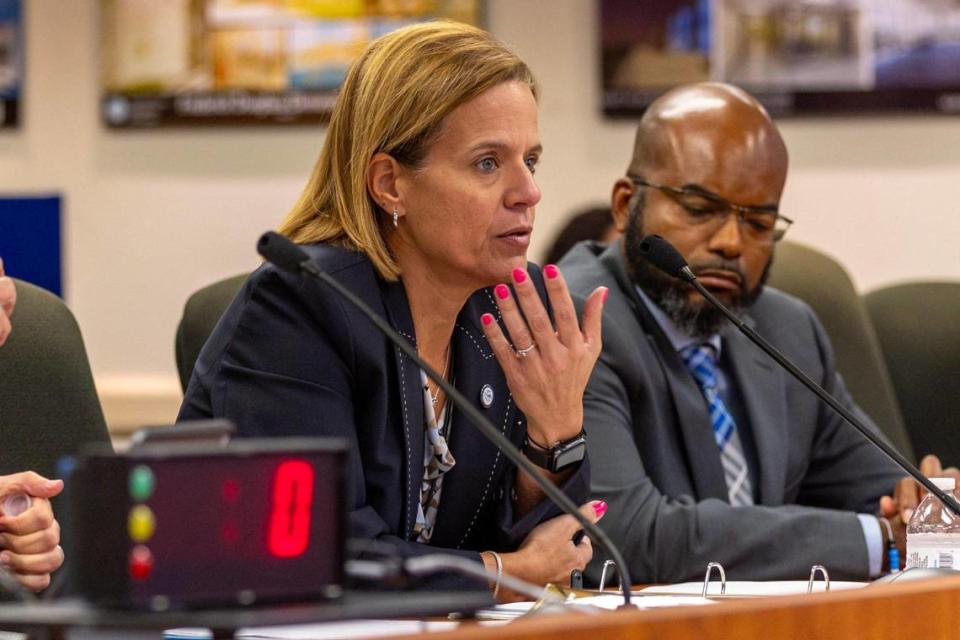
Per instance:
(289,530)
(226,522)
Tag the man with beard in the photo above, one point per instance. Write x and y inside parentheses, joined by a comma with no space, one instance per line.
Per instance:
(704,448)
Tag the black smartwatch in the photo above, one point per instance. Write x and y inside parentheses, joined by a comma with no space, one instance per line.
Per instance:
(559,456)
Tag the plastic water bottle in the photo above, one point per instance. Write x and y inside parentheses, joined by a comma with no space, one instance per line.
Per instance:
(933,534)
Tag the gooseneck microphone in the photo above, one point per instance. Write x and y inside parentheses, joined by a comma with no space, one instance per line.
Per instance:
(665,257)
(286,255)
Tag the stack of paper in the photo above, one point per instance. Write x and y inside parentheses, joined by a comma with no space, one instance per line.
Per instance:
(749,589)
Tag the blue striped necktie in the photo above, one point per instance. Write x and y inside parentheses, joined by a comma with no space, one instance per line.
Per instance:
(701,361)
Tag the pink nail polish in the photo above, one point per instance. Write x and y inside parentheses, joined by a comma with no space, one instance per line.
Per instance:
(551,271)
(486,319)
(519,275)
(599,508)
(502,291)
(603,297)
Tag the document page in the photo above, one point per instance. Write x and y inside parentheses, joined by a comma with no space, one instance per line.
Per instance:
(751,589)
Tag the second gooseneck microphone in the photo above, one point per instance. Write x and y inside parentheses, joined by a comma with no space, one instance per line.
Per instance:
(665,257)
(286,255)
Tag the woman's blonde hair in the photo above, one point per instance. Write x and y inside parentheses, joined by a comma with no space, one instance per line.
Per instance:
(394,99)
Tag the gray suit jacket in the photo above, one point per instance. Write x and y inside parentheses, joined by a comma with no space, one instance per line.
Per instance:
(656,463)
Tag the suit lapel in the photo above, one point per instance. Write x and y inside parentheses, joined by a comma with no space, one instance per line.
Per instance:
(474,481)
(690,407)
(411,403)
(692,415)
(763,390)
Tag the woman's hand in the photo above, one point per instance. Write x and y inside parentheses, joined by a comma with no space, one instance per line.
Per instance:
(548,554)
(546,368)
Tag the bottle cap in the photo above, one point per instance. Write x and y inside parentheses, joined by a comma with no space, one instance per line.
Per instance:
(944,484)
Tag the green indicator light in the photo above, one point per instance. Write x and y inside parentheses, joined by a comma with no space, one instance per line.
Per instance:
(141,482)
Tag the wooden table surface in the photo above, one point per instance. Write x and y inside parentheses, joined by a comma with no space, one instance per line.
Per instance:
(927,609)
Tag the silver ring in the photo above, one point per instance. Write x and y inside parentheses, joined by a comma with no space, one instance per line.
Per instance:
(522,353)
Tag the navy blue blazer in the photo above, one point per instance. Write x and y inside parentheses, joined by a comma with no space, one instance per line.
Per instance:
(291,358)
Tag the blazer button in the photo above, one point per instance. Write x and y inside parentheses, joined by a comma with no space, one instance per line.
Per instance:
(486,396)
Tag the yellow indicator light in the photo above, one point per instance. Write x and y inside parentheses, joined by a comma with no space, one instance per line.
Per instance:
(141,523)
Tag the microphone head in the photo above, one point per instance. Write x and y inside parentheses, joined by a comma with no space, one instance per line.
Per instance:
(281,251)
(663,256)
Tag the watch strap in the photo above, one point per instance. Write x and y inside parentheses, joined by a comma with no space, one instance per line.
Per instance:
(549,459)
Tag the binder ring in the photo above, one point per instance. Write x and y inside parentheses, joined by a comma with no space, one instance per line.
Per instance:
(813,575)
(603,574)
(706,579)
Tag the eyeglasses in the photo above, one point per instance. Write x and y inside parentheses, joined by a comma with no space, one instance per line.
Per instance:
(764,223)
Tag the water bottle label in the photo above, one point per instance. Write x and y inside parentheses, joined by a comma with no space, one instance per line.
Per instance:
(933,557)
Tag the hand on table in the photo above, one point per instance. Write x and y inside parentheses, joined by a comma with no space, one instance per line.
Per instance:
(30,541)
(549,554)
(898,508)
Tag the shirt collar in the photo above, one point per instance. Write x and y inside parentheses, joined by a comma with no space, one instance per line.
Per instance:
(678,338)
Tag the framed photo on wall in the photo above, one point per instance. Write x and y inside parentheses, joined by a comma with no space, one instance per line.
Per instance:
(803,57)
(214,62)
(11,62)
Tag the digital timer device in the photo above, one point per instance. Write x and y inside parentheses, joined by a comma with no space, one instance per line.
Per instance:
(177,525)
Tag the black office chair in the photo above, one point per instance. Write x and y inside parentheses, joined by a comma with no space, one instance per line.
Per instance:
(918,325)
(49,407)
(48,402)
(824,284)
(200,316)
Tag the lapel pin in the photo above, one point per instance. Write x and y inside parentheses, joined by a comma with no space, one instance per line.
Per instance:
(486,396)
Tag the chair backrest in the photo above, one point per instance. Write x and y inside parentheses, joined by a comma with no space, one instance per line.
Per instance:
(48,402)
(200,316)
(824,284)
(918,325)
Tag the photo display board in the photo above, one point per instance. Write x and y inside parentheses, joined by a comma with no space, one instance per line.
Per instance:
(185,62)
(797,56)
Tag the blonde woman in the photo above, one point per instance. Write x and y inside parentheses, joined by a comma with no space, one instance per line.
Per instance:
(422,203)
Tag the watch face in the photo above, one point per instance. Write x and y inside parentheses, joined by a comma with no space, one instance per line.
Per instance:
(571,454)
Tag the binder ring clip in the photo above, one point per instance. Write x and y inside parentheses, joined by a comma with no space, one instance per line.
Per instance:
(603,574)
(813,575)
(706,579)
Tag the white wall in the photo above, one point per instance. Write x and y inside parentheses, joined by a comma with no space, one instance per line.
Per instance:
(151,216)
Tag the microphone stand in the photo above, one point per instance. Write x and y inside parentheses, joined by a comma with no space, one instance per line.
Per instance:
(687,275)
(272,242)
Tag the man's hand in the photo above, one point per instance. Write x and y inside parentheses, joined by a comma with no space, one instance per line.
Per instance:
(908,493)
(8,299)
(898,508)
(30,542)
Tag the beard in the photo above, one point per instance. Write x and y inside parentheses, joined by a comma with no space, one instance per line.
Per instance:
(691,314)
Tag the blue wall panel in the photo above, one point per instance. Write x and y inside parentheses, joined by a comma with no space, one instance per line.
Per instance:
(30,240)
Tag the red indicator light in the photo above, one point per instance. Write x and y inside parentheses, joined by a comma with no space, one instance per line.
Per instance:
(141,562)
(289,529)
